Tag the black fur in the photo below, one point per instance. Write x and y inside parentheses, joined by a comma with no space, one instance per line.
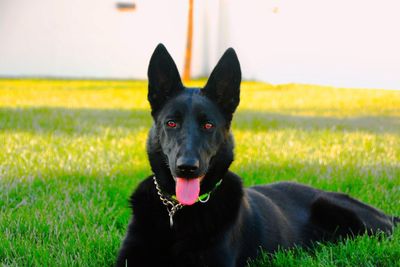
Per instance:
(236,222)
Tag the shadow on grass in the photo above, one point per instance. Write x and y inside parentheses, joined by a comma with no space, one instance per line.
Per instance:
(264,121)
(71,121)
(90,121)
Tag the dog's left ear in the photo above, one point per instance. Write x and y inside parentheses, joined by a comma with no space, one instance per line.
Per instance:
(223,86)
(164,79)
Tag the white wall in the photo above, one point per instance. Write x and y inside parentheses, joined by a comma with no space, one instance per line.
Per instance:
(87,38)
(349,43)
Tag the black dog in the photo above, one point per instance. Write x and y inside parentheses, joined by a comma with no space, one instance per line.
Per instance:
(194,212)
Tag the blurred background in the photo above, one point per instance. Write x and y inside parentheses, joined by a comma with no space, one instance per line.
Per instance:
(328,42)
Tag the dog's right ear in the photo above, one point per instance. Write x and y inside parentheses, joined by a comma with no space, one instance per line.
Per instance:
(223,86)
(164,79)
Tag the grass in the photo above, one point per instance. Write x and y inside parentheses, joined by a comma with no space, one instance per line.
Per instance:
(71,152)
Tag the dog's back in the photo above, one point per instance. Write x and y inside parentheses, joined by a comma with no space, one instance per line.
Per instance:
(314,215)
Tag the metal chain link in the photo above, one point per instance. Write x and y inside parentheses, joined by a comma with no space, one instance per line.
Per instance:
(171,205)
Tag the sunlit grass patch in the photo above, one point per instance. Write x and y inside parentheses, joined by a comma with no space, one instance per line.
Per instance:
(73,151)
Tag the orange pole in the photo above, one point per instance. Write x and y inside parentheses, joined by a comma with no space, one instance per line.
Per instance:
(189,38)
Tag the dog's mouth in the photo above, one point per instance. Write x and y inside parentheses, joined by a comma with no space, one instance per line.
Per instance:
(187,190)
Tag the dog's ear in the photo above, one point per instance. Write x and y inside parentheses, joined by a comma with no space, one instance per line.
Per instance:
(164,79)
(223,86)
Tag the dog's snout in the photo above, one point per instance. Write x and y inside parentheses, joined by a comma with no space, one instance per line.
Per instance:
(187,166)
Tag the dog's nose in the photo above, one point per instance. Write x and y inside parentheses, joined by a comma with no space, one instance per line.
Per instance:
(187,165)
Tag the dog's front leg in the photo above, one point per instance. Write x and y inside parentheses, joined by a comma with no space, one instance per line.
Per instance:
(213,256)
(134,253)
(141,250)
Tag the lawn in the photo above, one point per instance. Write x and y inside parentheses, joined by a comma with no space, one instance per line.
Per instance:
(71,152)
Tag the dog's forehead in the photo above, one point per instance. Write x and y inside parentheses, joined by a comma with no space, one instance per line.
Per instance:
(192,100)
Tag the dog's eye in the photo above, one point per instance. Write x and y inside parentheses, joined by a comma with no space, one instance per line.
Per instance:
(171,124)
(208,125)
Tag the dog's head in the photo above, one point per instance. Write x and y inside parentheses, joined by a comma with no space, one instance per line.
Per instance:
(190,143)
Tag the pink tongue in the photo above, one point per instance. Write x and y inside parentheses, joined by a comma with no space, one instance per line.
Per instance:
(187,190)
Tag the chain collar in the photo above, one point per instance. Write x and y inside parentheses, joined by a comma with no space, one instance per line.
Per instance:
(173,205)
